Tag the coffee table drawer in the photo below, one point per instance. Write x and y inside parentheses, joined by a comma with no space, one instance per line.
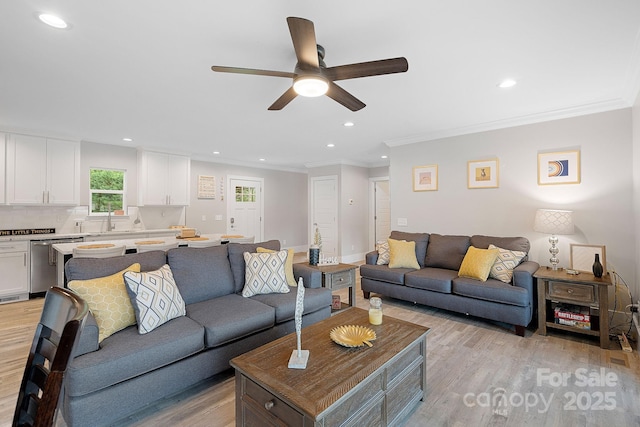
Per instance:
(573,292)
(265,405)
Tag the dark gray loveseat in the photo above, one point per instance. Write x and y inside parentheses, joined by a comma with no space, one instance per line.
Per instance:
(437,284)
(128,371)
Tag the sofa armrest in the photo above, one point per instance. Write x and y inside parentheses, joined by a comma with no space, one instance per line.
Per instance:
(371,258)
(88,340)
(311,277)
(523,277)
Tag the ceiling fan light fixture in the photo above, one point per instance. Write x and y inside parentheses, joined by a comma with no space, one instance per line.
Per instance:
(310,86)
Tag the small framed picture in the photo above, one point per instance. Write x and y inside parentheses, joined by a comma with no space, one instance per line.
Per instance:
(559,168)
(583,256)
(336,304)
(482,173)
(425,178)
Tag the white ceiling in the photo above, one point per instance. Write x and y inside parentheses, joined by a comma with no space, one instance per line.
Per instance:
(141,69)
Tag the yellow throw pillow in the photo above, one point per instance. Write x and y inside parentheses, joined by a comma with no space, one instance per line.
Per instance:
(477,263)
(108,301)
(402,254)
(288,264)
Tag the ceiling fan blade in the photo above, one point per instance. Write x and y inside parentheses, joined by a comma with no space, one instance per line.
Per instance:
(303,36)
(282,102)
(252,71)
(340,95)
(366,69)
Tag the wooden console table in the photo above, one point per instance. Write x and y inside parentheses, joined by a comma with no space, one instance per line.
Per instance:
(379,385)
(583,290)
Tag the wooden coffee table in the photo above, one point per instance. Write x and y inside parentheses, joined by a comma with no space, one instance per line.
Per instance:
(380,385)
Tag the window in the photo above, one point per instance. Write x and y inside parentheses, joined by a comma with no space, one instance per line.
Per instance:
(245,194)
(106,190)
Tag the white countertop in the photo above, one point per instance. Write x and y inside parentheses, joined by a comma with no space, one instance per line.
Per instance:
(67,248)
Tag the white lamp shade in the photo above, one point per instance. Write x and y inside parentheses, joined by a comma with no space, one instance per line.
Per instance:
(550,221)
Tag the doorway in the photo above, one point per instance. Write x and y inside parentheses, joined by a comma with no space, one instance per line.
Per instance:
(380,210)
(324,213)
(245,209)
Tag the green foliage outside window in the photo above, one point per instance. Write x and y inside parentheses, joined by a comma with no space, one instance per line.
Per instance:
(107,188)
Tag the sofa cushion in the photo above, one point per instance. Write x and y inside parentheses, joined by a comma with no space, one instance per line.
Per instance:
(507,260)
(128,354)
(288,265)
(285,304)
(511,243)
(491,290)
(236,258)
(265,274)
(446,251)
(421,239)
(155,297)
(201,273)
(384,273)
(477,263)
(431,279)
(230,317)
(402,254)
(384,254)
(108,301)
(90,268)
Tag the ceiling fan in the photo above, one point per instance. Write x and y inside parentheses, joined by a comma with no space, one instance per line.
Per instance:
(311,77)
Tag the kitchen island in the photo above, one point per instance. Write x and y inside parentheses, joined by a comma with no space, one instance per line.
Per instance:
(65,250)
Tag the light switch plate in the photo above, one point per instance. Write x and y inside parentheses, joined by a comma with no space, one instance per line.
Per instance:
(402,222)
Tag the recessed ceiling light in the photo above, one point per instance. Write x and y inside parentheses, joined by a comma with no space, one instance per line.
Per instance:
(507,83)
(348,124)
(216,152)
(262,160)
(127,139)
(52,20)
(331,145)
(384,157)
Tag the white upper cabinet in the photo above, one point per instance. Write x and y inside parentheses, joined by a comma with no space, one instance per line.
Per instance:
(42,171)
(2,166)
(163,179)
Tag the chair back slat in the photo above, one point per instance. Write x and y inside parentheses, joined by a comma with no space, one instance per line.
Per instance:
(61,322)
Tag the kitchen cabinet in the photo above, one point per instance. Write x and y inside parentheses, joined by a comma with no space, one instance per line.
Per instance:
(42,171)
(163,179)
(14,285)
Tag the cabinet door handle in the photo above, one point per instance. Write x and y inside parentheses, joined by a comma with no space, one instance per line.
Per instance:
(268,405)
(24,259)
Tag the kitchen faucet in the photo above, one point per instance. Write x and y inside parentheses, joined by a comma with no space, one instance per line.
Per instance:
(110,227)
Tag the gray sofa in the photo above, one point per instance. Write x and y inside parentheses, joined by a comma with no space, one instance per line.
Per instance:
(127,371)
(437,284)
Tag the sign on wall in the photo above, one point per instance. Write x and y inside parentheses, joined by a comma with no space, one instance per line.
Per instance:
(206,187)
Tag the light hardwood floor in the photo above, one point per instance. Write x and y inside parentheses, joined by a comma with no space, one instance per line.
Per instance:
(479,373)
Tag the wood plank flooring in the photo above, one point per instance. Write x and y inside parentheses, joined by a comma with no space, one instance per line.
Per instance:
(479,373)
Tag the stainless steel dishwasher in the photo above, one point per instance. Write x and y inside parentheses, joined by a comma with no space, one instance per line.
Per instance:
(44,261)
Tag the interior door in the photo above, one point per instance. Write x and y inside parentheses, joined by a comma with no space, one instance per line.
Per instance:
(382,216)
(245,209)
(325,213)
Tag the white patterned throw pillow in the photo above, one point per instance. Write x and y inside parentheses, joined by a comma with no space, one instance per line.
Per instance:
(505,263)
(265,274)
(384,255)
(155,297)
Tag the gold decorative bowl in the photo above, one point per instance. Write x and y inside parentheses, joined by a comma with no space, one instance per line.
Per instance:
(352,335)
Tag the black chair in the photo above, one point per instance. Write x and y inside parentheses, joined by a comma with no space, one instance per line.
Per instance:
(61,322)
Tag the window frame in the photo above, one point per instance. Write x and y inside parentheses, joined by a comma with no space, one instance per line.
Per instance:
(122,192)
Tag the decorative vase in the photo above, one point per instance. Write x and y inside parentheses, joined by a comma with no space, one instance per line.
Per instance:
(597,267)
(314,255)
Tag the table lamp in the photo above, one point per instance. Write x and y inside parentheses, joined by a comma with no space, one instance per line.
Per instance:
(554,222)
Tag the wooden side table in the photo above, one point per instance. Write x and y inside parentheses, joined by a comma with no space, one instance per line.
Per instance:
(583,290)
(339,276)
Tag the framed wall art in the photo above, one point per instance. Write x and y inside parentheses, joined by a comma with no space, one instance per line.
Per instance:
(482,173)
(425,178)
(559,168)
(583,256)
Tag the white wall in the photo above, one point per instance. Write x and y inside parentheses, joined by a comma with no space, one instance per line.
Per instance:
(602,202)
(636,186)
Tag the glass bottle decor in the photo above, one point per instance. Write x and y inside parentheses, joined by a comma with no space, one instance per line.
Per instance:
(375,311)
(597,267)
